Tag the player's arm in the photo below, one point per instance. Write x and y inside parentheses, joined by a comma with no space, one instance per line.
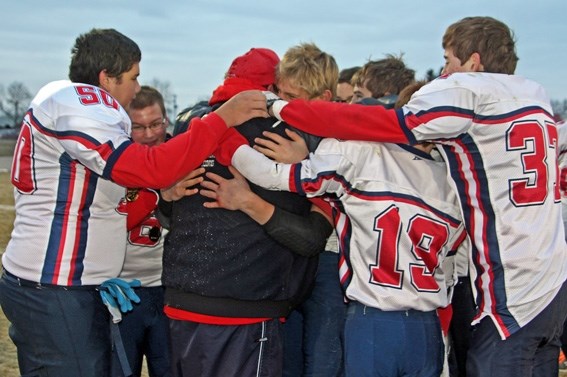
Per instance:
(135,165)
(304,235)
(344,121)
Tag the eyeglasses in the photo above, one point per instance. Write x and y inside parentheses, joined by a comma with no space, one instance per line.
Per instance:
(139,128)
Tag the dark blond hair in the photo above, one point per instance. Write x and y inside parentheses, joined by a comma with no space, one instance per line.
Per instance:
(310,69)
(490,38)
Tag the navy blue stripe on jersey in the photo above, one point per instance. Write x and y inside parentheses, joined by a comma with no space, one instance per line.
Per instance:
(60,224)
(407,132)
(77,265)
(89,142)
(107,172)
(511,116)
(412,121)
(313,185)
(344,229)
(473,187)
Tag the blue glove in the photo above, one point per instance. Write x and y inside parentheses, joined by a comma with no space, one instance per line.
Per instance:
(117,295)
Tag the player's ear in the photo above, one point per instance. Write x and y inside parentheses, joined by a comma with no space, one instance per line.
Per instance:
(326,96)
(474,63)
(103,80)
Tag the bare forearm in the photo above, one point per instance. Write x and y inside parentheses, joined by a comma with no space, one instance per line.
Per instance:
(257,208)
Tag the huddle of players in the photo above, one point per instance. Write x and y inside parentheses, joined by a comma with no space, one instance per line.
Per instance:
(397,213)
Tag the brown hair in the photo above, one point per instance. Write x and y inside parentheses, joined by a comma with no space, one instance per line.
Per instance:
(491,39)
(147,97)
(388,75)
(407,92)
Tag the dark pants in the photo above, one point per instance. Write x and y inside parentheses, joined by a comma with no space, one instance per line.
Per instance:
(199,350)
(532,351)
(392,343)
(313,333)
(464,309)
(57,332)
(145,331)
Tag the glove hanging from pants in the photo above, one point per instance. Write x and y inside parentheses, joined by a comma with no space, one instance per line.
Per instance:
(118,295)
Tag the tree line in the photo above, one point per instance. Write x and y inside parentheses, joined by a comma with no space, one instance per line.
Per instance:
(15,98)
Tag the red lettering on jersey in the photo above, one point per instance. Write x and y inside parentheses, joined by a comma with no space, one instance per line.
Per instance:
(529,138)
(108,100)
(23,165)
(87,95)
(427,237)
(147,233)
(90,95)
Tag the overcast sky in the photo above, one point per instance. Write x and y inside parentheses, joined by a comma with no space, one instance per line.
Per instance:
(191,43)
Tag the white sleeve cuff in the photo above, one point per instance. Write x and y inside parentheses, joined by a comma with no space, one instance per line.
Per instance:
(260,170)
(277,107)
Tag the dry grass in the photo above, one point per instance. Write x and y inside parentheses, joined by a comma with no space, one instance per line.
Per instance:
(8,359)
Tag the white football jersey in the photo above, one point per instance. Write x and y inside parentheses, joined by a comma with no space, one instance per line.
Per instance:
(395,225)
(67,229)
(497,134)
(144,247)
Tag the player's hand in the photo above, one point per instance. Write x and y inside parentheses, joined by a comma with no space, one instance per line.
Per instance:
(184,187)
(281,149)
(242,107)
(231,194)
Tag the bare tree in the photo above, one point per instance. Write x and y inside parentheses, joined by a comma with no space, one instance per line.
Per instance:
(14,102)
(559,109)
(169,98)
(431,75)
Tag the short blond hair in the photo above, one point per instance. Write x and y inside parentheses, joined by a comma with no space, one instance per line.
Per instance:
(310,69)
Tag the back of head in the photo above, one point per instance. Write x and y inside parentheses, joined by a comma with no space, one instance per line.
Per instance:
(346,74)
(256,69)
(386,76)
(102,50)
(407,92)
(309,68)
(491,39)
(258,66)
(147,96)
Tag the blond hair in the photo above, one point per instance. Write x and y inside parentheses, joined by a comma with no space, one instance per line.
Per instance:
(310,69)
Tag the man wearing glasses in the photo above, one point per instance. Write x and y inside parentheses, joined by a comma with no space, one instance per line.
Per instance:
(144,330)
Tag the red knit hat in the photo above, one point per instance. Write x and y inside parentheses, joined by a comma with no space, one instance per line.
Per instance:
(258,65)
